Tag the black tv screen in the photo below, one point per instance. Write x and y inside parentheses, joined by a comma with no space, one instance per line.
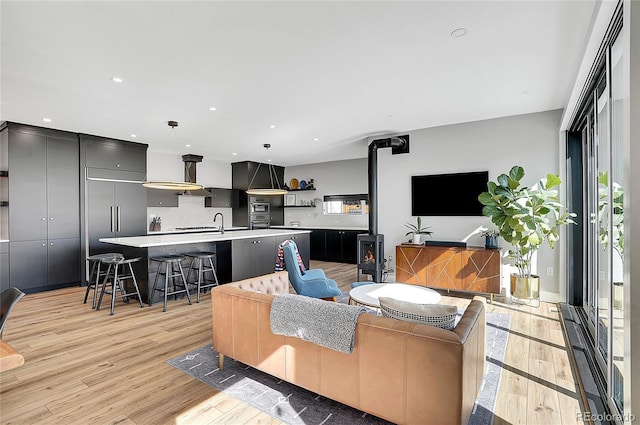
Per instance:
(448,194)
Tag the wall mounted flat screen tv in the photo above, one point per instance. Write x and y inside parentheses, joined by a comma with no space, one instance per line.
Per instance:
(448,194)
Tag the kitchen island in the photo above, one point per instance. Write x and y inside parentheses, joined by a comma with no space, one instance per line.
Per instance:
(240,254)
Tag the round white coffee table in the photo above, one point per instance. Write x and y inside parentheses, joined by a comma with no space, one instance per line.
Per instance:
(368,294)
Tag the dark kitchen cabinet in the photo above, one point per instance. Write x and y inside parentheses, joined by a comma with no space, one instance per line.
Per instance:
(335,245)
(302,242)
(162,198)
(116,203)
(44,215)
(113,154)
(243,172)
(4,265)
(115,209)
(44,190)
(253,257)
(221,198)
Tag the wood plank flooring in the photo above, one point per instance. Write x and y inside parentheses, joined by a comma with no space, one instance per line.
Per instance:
(84,366)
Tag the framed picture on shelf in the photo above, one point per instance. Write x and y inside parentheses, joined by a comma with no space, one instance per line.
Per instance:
(290,199)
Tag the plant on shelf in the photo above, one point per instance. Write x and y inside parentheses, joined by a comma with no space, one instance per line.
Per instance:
(490,238)
(525,217)
(418,232)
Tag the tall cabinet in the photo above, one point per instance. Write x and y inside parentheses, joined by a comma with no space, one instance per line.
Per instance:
(44,207)
(115,203)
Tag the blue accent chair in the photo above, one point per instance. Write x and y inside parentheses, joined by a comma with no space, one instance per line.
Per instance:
(313,283)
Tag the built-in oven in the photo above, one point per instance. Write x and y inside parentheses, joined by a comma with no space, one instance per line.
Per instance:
(259,221)
(259,207)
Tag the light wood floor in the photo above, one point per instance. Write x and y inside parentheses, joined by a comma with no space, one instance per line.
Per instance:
(83,366)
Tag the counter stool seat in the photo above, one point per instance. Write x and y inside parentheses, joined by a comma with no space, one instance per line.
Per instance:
(117,277)
(171,262)
(201,281)
(96,272)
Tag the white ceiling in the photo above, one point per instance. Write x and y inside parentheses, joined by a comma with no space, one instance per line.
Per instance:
(336,71)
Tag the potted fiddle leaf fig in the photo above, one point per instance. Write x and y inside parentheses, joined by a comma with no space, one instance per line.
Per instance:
(526,217)
(419,233)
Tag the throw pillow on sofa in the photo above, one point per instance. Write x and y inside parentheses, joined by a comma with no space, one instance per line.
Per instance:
(438,315)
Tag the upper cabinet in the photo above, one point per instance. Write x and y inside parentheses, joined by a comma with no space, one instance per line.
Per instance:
(114,154)
(162,198)
(221,198)
(243,173)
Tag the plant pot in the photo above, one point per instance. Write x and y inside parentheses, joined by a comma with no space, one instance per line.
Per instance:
(525,287)
(491,242)
(419,238)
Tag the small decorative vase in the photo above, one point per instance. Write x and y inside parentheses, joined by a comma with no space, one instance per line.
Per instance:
(491,242)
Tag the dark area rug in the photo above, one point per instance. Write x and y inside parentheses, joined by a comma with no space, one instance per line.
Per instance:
(294,405)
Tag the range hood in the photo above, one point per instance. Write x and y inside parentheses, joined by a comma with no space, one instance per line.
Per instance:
(190,163)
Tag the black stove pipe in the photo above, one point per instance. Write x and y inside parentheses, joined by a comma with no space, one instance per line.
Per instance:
(391,142)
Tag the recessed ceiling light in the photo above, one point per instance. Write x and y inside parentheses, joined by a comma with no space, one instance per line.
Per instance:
(272,126)
(315,139)
(46,119)
(117,79)
(459,32)
(187,146)
(134,136)
(211,108)
(234,153)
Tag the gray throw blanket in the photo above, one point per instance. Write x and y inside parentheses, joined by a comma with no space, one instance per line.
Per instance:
(326,323)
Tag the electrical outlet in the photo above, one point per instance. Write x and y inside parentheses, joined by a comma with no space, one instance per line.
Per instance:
(549,271)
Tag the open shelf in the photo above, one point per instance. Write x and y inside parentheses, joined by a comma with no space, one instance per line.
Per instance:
(301,190)
(299,206)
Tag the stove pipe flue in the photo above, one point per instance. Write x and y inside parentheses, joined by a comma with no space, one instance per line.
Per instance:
(399,144)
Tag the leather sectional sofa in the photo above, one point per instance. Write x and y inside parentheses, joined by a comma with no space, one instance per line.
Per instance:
(403,372)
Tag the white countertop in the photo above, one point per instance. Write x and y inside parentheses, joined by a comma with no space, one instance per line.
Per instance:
(185,238)
(170,231)
(363,229)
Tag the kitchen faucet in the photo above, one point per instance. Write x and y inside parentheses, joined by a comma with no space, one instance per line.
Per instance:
(214,220)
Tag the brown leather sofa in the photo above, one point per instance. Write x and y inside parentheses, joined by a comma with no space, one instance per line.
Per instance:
(403,372)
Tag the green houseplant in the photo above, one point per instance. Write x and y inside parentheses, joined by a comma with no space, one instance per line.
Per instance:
(525,217)
(419,233)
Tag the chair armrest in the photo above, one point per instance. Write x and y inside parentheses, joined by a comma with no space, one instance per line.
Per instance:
(314,274)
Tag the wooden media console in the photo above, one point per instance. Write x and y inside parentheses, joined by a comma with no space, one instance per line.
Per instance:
(472,269)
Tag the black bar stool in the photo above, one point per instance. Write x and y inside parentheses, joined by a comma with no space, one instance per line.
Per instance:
(117,276)
(95,264)
(173,262)
(201,281)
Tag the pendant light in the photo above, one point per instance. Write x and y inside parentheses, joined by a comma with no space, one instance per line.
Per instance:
(273,190)
(171,185)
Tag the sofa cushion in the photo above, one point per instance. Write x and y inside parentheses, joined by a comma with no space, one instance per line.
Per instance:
(438,315)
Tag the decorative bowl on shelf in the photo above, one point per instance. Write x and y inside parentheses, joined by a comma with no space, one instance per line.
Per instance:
(293,184)
(303,184)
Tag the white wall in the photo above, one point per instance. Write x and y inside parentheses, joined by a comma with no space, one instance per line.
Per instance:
(191,210)
(495,145)
(330,178)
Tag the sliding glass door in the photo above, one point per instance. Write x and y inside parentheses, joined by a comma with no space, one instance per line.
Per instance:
(600,127)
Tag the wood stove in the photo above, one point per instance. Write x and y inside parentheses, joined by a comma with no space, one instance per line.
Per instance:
(371,256)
